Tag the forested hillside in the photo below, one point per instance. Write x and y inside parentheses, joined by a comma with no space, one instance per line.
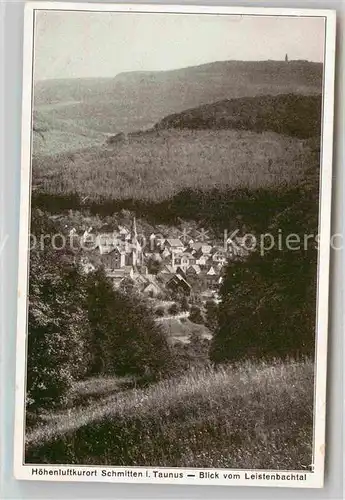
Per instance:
(188,151)
(290,114)
(80,109)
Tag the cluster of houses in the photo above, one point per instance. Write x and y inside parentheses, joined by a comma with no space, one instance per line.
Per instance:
(157,264)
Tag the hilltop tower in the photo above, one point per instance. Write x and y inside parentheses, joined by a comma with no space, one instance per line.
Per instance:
(286,58)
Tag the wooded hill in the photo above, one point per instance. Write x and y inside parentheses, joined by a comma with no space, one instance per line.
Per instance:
(76,113)
(290,114)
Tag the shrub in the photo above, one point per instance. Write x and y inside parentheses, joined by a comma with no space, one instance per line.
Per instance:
(184,304)
(126,338)
(154,266)
(195,315)
(173,309)
(211,315)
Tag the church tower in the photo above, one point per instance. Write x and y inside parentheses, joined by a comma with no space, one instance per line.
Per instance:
(136,248)
(135,234)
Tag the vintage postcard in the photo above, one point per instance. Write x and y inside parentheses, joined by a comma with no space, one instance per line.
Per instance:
(174,244)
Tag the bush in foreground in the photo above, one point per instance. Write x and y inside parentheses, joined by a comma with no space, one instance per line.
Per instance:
(58,330)
(126,340)
(79,325)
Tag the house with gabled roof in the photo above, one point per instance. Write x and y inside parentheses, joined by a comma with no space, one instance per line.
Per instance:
(180,271)
(124,233)
(201,248)
(114,259)
(141,269)
(202,260)
(174,244)
(89,239)
(193,270)
(211,271)
(219,256)
(212,276)
(164,278)
(167,269)
(152,288)
(183,260)
(140,279)
(178,284)
(165,254)
(117,275)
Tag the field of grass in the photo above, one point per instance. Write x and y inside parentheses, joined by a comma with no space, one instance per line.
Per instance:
(56,135)
(250,415)
(84,391)
(156,167)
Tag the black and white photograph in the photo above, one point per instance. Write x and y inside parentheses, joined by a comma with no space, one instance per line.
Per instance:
(174,244)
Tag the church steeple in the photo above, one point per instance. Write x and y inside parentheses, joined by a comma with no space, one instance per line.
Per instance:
(136,248)
(135,234)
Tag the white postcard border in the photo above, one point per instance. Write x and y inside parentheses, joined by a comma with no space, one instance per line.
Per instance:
(246,477)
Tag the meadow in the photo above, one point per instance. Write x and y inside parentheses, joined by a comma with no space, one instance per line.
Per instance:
(61,135)
(245,415)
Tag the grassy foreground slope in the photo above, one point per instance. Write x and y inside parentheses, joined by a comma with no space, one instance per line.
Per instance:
(137,100)
(246,416)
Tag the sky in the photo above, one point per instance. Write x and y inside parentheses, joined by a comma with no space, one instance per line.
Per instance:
(102,44)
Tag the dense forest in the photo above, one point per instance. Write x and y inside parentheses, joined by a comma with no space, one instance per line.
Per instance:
(291,114)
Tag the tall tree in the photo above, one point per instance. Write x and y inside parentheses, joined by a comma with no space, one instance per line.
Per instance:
(58,333)
(126,338)
(268,303)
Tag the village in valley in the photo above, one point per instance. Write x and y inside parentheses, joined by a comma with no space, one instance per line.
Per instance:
(170,267)
(167,317)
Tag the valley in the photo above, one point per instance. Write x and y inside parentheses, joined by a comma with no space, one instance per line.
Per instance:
(177,334)
(69,110)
